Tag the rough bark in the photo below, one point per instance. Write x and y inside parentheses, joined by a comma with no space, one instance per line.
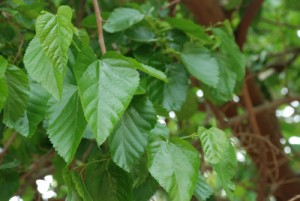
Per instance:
(275,175)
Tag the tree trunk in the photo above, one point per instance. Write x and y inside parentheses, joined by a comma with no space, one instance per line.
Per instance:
(264,148)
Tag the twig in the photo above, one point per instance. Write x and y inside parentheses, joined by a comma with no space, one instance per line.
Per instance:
(19,51)
(262,108)
(290,26)
(7,145)
(99,27)
(172,3)
(295,198)
(250,110)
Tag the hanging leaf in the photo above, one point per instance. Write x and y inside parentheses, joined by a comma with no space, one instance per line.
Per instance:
(174,165)
(66,123)
(214,144)
(130,137)
(55,34)
(115,59)
(34,114)
(121,19)
(202,190)
(3,66)
(226,169)
(40,69)
(170,95)
(17,93)
(112,183)
(105,93)
(226,85)
(201,64)
(232,52)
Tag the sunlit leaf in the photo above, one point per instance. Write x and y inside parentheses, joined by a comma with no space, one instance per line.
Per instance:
(214,144)
(174,164)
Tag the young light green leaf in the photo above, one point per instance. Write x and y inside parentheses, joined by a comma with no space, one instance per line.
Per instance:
(226,169)
(202,190)
(189,27)
(40,69)
(115,58)
(174,165)
(170,95)
(66,123)
(17,93)
(121,19)
(201,64)
(112,183)
(214,144)
(130,137)
(55,33)
(105,93)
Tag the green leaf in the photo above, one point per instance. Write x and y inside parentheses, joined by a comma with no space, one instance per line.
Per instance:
(73,194)
(80,186)
(18,93)
(34,114)
(121,19)
(202,190)
(188,27)
(55,34)
(226,84)
(9,184)
(174,164)
(232,52)
(40,69)
(3,66)
(214,143)
(112,183)
(85,58)
(66,123)
(130,137)
(141,33)
(3,93)
(200,62)
(147,189)
(170,95)
(226,169)
(105,93)
(115,58)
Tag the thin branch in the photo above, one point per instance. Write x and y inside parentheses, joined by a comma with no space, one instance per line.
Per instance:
(171,4)
(295,198)
(262,108)
(275,23)
(99,27)
(19,51)
(7,145)
(250,110)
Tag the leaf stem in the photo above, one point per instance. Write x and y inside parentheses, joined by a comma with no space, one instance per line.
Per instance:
(76,46)
(193,135)
(99,27)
